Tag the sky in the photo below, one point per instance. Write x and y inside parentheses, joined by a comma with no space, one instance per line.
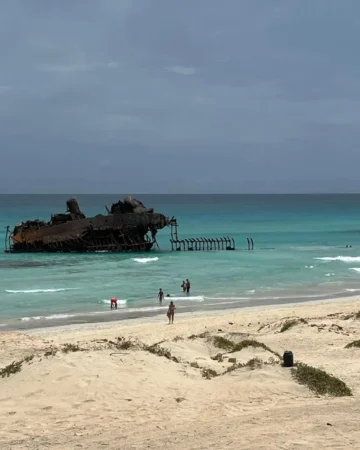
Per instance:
(170,96)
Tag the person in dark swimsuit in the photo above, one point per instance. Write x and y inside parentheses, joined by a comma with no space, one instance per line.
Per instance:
(171,312)
(183,286)
(161,295)
(187,286)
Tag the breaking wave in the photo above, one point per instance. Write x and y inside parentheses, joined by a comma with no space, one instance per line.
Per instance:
(145,260)
(356,269)
(119,302)
(345,259)
(38,291)
(51,317)
(197,298)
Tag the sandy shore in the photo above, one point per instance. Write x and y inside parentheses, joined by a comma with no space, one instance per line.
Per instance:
(107,397)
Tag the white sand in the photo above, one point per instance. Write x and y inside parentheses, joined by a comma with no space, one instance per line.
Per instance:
(106,398)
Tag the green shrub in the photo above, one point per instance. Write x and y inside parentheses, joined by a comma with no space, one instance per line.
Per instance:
(208,373)
(291,323)
(10,369)
(123,344)
(155,349)
(71,348)
(319,381)
(353,344)
(223,343)
(200,336)
(252,343)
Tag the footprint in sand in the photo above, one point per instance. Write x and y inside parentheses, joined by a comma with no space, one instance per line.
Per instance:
(47,408)
(61,378)
(83,383)
(31,394)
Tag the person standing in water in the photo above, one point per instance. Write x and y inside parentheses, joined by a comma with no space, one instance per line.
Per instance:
(187,285)
(171,312)
(183,286)
(161,295)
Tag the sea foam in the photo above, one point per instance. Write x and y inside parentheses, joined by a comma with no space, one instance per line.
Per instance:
(51,317)
(119,301)
(356,269)
(145,260)
(345,259)
(37,291)
(196,298)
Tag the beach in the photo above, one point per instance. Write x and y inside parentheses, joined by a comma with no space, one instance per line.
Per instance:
(163,386)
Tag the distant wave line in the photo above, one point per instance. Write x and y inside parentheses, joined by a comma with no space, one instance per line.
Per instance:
(38,291)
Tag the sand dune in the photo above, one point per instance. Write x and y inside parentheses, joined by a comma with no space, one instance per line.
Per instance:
(104,397)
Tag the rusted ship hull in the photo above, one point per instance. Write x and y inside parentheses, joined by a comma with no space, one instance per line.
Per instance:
(115,232)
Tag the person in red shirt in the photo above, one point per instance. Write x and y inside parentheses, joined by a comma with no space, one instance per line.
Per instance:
(113,303)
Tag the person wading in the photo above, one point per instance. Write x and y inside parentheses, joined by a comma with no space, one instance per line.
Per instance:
(183,286)
(161,295)
(187,286)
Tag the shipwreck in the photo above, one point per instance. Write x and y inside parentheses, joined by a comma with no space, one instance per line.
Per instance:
(128,226)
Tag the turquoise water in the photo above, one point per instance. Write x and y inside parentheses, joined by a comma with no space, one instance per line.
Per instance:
(300,253)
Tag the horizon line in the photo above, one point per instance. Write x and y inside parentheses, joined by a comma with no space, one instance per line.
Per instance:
(189,193)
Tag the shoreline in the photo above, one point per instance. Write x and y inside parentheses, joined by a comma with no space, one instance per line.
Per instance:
(344,304)
(122,315)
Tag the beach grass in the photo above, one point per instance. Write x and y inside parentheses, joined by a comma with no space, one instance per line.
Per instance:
(208,373)
(231,347)
(353,344)
(10,369)
(223,343)
(200,336)
(319,381)
(15,366)
(68,348)
(291,323)
(155,349)
(124,344)
(50,352)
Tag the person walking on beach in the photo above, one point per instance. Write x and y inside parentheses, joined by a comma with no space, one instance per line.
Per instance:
(187,285)
(183,286)
(171,312)
(161,295)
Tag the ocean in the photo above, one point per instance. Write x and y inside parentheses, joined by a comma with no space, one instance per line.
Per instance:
(306,247)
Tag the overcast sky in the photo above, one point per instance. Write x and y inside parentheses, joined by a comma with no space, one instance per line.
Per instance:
(167,96)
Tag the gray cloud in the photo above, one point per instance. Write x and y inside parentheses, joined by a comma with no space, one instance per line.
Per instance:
(194,96)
